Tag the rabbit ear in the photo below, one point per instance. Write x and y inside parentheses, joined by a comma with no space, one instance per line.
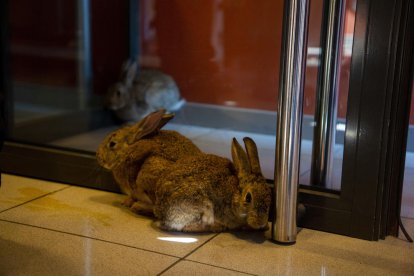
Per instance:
(124,69)
(131,71)
(148,125)
(239,159)
(253,156)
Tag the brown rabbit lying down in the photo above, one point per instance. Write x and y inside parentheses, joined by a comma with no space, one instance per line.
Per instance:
(164,173)
(138,156)
(208,193)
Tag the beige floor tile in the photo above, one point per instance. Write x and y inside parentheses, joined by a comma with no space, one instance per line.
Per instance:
(315,253)
(99,214)
(26,250)
(193,268)
(16,190)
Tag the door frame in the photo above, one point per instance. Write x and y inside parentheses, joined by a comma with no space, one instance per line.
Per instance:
(368,205)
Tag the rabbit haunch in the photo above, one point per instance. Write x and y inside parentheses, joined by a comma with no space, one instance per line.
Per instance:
(203,193)
(165,174)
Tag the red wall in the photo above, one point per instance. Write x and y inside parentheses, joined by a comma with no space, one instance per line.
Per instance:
(218,51)
(228,52)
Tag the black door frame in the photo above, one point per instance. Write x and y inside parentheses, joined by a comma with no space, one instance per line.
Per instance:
(4,87)
(375,139)
(398,110)
(368,205)
(381,76)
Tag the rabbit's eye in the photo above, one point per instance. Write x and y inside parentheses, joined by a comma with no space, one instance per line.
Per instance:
(248,198)
(118,93)
(112,144)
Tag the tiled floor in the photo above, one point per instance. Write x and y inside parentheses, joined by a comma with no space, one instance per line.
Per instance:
(54,229)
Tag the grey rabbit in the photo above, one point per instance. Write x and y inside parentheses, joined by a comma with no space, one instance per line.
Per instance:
(140,92)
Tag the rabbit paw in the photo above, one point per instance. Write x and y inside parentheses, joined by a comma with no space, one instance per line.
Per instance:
(142,208)
(128,202)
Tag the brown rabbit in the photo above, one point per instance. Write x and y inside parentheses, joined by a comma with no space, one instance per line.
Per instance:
(139,155)
(206,192)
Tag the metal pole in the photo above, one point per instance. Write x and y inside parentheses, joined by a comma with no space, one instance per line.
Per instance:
(134,32)
(289,120)
(327,99)
(84,54)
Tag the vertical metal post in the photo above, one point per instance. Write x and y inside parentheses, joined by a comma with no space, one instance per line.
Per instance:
(134,32)
(289,119)
(84,54)
(327,99)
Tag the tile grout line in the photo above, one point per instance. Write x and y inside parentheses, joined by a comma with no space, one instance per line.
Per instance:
(133,247)
(36,198)
(92,238)
(183,258)
(194,250)
(225,268)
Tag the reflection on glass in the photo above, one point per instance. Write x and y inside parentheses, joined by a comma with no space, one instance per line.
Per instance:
(313,65)
(223,56)
(407,202)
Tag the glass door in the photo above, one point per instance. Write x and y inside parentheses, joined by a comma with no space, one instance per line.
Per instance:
(220,61)
(407,201)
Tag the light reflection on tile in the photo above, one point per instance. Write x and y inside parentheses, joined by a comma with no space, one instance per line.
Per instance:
(26,250)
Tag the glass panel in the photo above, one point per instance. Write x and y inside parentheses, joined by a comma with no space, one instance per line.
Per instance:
(223,56)
(407,204)
(51,70)
(310,97)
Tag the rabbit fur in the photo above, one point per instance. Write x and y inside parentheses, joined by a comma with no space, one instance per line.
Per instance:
(187,190)
(140,92)
(137,155)
(208,193)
